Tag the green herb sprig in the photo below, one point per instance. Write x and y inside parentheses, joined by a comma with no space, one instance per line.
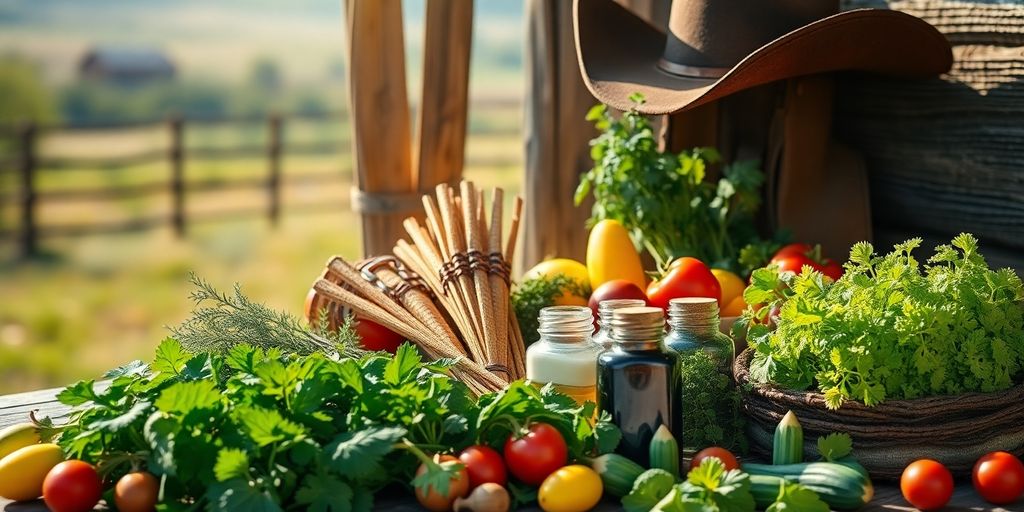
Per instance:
(666,200)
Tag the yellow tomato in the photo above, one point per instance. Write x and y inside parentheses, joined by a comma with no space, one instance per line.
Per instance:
(23,471)
(573,488)
(732,286)
(735,307)
(570,268)
(611,255)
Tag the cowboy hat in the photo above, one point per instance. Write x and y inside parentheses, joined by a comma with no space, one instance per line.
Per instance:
(715,48)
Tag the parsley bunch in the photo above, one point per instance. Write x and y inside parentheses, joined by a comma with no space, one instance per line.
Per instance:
(259,429)
(665,199)
(891,328)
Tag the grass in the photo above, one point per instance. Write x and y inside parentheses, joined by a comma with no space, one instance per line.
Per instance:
(91,303)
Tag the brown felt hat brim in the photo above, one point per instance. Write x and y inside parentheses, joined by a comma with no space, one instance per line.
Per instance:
(618,55)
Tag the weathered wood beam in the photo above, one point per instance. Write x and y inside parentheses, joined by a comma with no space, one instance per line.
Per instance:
(379,107)
(441,137)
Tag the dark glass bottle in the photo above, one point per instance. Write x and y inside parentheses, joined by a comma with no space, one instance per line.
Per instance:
(637,380)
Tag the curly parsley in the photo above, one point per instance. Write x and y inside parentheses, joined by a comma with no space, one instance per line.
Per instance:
(892,328)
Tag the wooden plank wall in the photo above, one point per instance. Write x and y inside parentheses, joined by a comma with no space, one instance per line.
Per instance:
(556,134)
(947,155)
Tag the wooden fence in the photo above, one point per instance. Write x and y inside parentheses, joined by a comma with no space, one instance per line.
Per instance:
(29,164)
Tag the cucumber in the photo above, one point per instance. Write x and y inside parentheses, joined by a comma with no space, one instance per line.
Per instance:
(765,489)
(617,473)
(840,485)
(788,446)
(664,451)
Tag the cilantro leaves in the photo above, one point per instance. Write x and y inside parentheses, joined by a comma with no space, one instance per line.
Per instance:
(891,327)
(258,429)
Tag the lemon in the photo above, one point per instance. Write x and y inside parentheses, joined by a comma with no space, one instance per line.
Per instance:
(570,268)
(573,488)
(732,287)
(23,471)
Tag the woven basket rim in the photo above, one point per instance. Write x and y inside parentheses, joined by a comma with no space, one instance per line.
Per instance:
(772,393)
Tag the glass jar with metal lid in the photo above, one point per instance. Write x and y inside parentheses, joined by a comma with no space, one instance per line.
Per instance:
(637,380)
(694,325)
(565,355)
(603,336)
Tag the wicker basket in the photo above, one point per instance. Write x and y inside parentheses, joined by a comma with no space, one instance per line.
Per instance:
(955,430)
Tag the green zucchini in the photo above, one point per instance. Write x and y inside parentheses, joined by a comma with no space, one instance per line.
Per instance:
(664,451)
(617,473)
(765,489)
(840,485)
(788,445)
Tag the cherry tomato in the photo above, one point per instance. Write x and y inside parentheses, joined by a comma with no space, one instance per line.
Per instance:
(999,477)
(721,454)
(926,484)
(377,337)
(72,486)
(458,487)
(136,492)
(687,277)
(483,465)
(615,289)
(534,456)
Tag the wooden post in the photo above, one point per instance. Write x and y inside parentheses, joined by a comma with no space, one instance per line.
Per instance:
(274,162)
(379,106)
(27,167)
(442,124)
(176,156)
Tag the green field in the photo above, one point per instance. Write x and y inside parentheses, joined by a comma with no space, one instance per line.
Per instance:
(91,302)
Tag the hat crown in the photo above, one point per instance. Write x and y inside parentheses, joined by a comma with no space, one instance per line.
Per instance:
(707,37)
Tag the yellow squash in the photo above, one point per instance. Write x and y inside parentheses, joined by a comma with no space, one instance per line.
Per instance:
(17,436)
(611,255)
(570,268)
(22,472)
(573,488)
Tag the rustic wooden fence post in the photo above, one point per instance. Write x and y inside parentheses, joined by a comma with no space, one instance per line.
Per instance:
(176,156)
(27,167)
(274,142)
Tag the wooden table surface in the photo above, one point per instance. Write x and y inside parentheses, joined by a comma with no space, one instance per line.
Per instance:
(15,409)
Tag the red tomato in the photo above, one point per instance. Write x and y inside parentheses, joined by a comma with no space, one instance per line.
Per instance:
(615,289)
(483,465)
(721,454)
(999,477)
(534,456)
(136,492)
(794,262)
(458,487)
(926,484)
(687,277)
(832,269)
(798,248)
(377,337)
(72,486)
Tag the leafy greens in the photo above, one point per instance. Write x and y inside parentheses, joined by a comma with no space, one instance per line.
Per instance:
(258,429)
(891,328)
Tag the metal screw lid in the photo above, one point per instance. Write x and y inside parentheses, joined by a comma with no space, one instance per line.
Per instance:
(606,307)
(685,311)
(637,324)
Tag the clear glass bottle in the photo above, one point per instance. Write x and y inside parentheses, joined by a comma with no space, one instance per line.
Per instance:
(637,380)
(566,354)
(603,336)
(694,325)
(693,332)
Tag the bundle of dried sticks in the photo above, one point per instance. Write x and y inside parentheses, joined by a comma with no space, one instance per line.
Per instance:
(448,289)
